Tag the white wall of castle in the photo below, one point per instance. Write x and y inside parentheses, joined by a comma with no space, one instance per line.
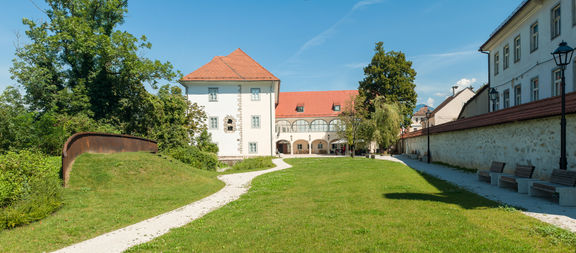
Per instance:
(234,99)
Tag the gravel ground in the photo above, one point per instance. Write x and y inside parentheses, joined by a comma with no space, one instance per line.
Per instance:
(144,231)
(539,208)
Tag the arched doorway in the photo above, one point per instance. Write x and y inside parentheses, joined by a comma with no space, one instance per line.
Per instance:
(283,147)
(320,147)
(300,147)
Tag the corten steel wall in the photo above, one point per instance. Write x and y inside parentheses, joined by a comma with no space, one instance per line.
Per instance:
(524,134)
(90,142)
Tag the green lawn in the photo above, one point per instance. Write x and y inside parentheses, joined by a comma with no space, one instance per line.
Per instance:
(108,192)
(344,204)
(251,164)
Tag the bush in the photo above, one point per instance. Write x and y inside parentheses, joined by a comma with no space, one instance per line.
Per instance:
(194,156)
(261,162)
(30,187)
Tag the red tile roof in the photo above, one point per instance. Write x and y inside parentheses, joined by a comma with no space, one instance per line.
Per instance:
(422,111)
(235,66)
(316,103)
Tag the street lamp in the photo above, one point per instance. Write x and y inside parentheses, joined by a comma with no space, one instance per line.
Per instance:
(428,114)
(562,57)
(494,97)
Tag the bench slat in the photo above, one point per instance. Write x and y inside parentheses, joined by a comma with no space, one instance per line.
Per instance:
(497,167)
(524,171)
(563,177)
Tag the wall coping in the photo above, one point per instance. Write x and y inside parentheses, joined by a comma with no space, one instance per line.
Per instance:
(534,110)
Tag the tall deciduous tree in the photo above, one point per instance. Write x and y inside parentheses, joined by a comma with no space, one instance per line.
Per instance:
(386,120)
(79,62)
(390,76)
(354,127)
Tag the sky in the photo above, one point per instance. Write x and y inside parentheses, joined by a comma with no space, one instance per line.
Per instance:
(310,45)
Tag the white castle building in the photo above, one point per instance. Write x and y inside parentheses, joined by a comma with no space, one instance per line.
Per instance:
(248,116)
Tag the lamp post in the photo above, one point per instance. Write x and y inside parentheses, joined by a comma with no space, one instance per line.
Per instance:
(493,97)
(428,114)
(562,57)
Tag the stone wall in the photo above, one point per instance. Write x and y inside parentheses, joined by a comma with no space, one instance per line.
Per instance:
(535,142)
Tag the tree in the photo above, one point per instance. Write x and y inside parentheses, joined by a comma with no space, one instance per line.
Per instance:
(390,76)
(354,126)
(78,62)
(386,120)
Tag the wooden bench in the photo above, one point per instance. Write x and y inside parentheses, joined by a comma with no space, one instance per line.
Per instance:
(520,180)
(491,176)
(562,182)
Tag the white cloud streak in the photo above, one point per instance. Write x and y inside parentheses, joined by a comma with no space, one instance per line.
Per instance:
(430,102)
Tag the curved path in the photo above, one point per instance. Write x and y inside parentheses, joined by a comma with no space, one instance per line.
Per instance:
(144,231)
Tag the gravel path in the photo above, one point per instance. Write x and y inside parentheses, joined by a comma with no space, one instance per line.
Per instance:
(144,231)
(539,208)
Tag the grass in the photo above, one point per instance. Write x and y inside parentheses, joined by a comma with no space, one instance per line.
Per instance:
(252,164)
(108,192)
(342,205)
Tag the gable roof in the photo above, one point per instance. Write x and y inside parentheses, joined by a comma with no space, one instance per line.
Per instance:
(316,103)
(237,66)
(448,101)
(422,111)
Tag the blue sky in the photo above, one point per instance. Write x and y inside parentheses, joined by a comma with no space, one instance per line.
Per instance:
(308,44)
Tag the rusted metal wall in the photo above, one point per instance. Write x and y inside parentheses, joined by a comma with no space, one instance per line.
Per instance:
(90,142)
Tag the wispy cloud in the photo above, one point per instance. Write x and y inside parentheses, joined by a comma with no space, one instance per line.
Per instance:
(356,65)
(323,36)
(430,102)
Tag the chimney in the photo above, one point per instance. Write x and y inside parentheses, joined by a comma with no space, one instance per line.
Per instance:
(454,90)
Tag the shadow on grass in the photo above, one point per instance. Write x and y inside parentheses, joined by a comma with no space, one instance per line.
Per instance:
(449,193)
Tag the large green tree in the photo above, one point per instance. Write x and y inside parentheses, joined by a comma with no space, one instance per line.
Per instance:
(79,62)
(390,76)
(386,120)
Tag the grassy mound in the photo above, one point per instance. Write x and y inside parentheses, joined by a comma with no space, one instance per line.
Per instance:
(108,192)
(252,164)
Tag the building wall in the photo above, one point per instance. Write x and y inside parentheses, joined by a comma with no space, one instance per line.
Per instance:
(451,111)
(308,137)
(477,105)
(234,100)
(535,142)
(538,63)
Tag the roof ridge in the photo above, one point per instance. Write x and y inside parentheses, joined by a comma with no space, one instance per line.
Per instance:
(257,64)
(231,68)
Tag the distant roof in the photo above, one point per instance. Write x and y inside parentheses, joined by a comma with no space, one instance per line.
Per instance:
(316,103)
(237,66)
(448,100)
(422,111)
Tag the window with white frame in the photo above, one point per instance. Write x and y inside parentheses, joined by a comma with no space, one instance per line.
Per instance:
(320,146)
(283,126)
(319,126)
(336,108)
(555,22)
(336,125)
(506,52)
(212,94)
(255,121)
(213,122)
(299,146)
(534,89)
(518,94)
(300,108)
(506,98)
(253,147)
(517,49)
(496,63)
(556,82)
(533,37)
(300,126)
(255,94)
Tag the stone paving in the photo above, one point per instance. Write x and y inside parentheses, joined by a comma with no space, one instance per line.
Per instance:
(539,208)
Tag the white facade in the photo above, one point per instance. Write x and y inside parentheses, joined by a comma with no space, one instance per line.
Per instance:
(522,68)
(451,107)
(251,131)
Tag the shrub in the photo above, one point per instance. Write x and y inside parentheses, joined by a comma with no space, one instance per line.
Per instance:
(30,187)
(261,162)
(194,156)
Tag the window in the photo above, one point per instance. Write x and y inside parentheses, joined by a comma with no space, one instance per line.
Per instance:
(300,126)
(213,122)
(319,126)
(299,146)
(229,124)
(506,56)
(534,89)
(213,94)
(255,94)
(517,94)
(555,22)
(253,147)
(336,125)
(255,121)
(336,108)
(506,98)
(533,37)
(320,146)
(300,108)
(517,49)
(496,63)
(283,126)
(556,82)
